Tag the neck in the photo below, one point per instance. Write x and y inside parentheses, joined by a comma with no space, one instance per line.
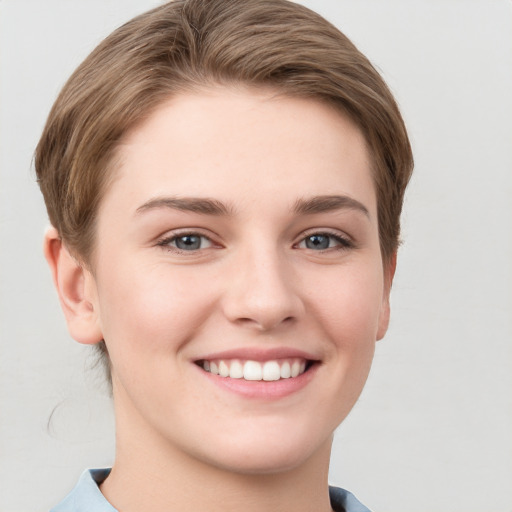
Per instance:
(151,474)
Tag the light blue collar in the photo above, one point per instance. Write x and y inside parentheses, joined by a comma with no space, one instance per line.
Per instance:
(87,497)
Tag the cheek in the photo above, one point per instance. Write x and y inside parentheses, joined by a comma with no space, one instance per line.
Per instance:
(155,310)
(348,306)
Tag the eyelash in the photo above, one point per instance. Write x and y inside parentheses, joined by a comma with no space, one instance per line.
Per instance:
(342,242)
(166,242)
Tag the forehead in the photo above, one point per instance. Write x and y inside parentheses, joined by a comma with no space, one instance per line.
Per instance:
(243,145)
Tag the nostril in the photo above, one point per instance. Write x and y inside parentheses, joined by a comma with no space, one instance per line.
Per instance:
(265,323)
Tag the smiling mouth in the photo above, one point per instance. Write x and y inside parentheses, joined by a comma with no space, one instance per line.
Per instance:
(273,370)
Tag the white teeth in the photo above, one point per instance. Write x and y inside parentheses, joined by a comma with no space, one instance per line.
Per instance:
(252,370)
(286,371)
(237,370)
(223,369)
(255,370)
(271,371)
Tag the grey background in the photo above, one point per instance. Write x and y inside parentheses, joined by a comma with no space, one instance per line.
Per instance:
(432,430)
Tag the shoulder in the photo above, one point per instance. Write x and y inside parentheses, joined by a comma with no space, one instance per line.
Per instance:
(86,495)
(345,501)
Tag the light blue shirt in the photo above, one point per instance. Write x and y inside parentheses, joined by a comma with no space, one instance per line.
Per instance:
(87,497)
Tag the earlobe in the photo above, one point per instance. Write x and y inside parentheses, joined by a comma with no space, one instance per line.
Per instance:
(76,290)
(389,274)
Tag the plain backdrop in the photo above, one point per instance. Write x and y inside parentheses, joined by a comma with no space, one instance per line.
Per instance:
(433,428)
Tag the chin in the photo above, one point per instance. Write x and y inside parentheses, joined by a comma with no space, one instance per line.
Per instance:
(265,454)
(261,463)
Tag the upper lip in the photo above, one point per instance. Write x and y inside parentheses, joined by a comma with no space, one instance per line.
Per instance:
(259,354)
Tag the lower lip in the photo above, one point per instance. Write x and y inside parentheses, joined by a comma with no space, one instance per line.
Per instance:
(261,389)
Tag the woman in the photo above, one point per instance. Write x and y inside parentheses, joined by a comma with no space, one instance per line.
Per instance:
(224,181)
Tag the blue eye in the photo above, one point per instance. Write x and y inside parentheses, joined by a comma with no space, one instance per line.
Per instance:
(187,242)
(324,241)
(318,242)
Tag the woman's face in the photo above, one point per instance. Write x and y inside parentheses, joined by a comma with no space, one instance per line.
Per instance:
(238,279)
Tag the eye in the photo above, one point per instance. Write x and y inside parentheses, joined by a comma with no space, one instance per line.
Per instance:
(186,242)
(324,241)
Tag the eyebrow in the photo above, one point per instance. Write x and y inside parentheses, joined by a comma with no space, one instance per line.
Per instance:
(200,205)
(321,204)
(207,206)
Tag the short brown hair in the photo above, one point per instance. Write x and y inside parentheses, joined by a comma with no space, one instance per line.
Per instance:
(187,44)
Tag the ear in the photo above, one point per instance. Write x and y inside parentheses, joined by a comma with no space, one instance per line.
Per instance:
(389,274)
(76,289)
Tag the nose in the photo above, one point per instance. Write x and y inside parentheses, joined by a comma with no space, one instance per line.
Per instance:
(262,293)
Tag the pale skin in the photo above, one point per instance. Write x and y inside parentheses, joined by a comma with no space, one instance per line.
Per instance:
(239,223)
